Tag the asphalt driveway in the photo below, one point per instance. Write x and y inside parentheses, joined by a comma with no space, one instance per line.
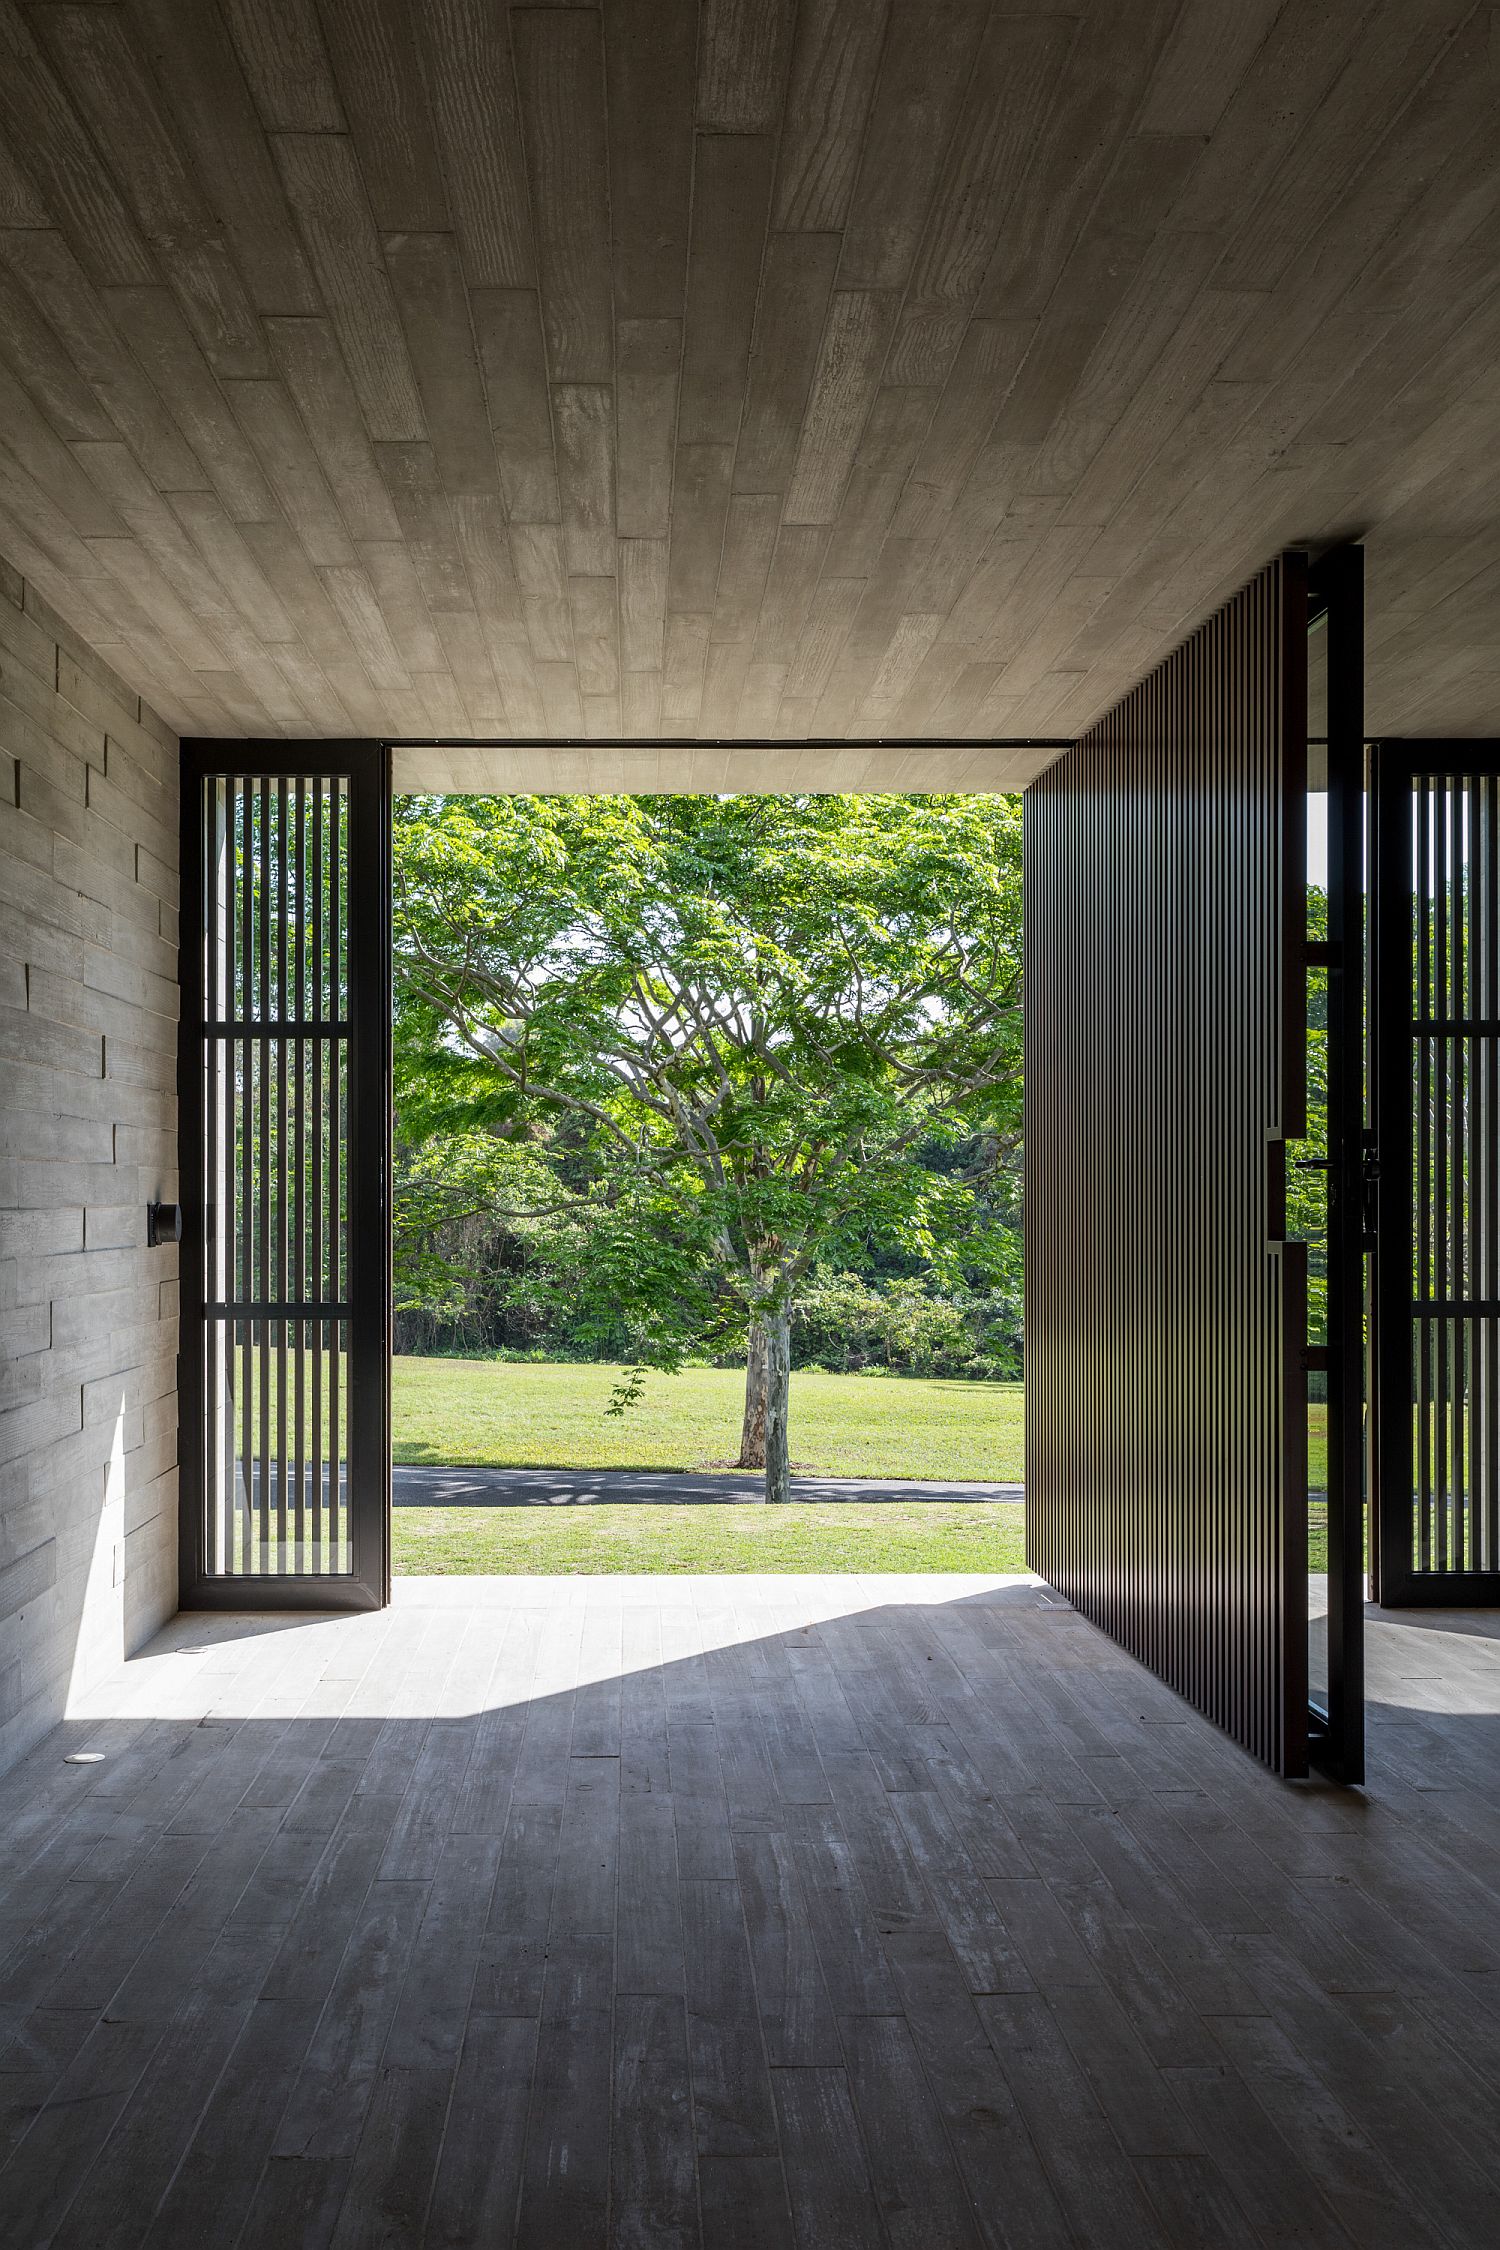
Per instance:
(576,1488)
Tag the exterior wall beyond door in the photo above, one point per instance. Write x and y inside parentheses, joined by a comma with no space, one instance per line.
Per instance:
(88,1110)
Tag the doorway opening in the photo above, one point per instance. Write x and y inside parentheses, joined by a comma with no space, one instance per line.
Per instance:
(681,1029)
(706,1188)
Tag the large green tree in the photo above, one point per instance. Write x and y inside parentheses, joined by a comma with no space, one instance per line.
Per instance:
(724,1025)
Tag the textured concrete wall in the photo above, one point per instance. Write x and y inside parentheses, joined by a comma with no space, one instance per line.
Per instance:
(88,1314)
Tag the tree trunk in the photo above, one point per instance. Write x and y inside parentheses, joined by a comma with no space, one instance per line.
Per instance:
(778,1400)
(753,1430)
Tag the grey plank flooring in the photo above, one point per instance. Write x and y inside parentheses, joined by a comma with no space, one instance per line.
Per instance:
(825,1913)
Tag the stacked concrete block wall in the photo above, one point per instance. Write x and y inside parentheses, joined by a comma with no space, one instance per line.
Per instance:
(88,1029)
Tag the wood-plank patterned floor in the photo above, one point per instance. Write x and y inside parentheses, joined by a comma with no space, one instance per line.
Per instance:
(745,1912)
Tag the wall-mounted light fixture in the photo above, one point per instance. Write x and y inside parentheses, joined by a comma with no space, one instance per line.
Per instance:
(163,1224)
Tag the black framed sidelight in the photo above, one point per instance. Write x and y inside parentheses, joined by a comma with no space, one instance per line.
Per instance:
(1338,1160)
(284,1087)
(1437,1074)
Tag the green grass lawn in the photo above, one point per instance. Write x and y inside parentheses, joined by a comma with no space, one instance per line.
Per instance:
(506,1414)
(986,1535)
(926,1535)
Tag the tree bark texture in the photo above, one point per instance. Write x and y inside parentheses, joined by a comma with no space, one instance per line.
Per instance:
(778,1401)
(753,1430)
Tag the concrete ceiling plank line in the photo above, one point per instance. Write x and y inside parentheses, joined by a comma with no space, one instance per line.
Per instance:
(647,356)
(537,549)
(471,87)
(285,60)
(513,366)
(795,287)
(560,73)
(58,161)
(392,577)
(213,115)
(427,278)
(156,332)
(650,62)
(731,197)
(37,356)
(323,184)
(835,58)
(43,263)
(123,108)
(375,47)
(311,365)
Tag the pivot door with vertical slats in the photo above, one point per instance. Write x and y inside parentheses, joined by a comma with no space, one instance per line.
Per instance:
(285,1128)
(1166,1049)
(1437,981)
(1195,1158)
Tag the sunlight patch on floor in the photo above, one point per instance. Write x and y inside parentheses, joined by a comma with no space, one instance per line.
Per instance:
(453,1646)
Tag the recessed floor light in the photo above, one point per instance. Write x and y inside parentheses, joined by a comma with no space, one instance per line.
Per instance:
(84,1758)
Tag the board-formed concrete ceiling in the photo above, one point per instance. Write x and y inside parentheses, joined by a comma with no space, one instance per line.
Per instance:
(774,368)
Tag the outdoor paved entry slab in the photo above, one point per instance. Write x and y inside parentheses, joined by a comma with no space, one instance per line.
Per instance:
(571,1488)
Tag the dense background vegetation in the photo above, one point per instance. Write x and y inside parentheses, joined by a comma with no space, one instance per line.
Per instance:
(800,1020)
(518,1234)
(478,1285)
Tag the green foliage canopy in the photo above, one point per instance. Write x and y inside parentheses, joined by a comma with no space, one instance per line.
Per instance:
(701,1038)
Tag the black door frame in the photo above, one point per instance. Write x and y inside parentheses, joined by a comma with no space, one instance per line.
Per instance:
(366,767)
(1335,588)
(1336,603)
(1397,766)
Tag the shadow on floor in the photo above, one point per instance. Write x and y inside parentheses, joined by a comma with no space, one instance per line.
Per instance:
(741,1912)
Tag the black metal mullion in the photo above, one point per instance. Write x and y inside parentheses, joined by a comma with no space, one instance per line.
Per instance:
(1392,1011)
(1452,1189)
(1438,1407)
(1464,1190)
(1426,1193)
(1442,1195)
(299,1196)
(318,1232)
(215,860)
(280,1214)
(1471,1213)
(1481,1125)
(194,1452)
(245,1216)
(1459,798)
(1341,1751)
(263,1200)
(225,1267)
(367,1281)
(1490,1224)
(337,826)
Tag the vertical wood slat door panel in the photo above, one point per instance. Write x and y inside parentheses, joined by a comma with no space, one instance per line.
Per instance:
(1437,984)
(284,1086)
(1166,1486)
